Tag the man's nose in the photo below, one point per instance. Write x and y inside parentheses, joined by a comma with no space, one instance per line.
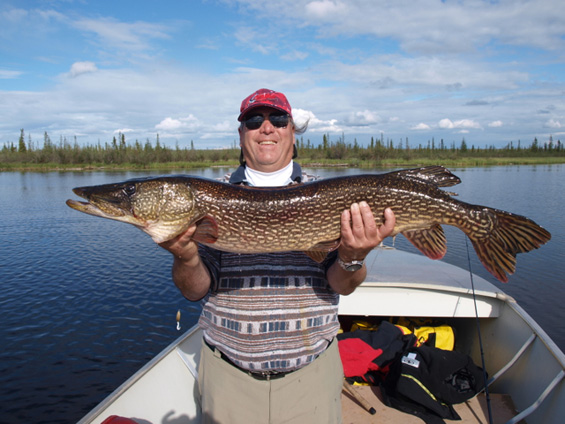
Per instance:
(267,127)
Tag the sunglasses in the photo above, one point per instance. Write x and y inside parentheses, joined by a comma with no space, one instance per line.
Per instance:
(279,120)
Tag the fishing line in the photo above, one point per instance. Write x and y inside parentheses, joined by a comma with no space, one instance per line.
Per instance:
(485,377)
(377,251)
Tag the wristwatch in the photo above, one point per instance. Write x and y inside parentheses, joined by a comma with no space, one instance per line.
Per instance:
(351,266)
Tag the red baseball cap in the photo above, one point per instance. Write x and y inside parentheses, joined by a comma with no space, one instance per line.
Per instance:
(264,97)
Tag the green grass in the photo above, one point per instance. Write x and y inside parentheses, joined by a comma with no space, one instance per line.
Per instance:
(307,162)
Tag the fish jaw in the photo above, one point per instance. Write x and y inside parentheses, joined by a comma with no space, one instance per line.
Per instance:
(116,214)
(158,230)
(162,209)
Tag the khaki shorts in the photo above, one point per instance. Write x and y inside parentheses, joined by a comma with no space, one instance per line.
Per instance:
(310,395)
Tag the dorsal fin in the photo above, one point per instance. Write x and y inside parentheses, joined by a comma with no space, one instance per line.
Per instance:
(437,175)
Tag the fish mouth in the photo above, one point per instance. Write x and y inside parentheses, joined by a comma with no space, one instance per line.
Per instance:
(88,208)
(92,209)
(98,205)
(79,206)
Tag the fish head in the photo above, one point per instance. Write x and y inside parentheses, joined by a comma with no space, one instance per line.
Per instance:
(163,208)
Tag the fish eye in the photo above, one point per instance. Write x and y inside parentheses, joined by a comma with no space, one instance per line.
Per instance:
(129,189)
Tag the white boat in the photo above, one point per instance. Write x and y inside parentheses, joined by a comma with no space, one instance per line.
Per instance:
(525,367)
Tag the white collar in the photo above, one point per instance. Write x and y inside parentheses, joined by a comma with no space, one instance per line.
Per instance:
(279,178)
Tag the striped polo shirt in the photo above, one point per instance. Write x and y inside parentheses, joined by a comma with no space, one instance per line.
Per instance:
(272,311)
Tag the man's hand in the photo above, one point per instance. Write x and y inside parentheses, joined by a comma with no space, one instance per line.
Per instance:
(182,246)
(359,232)
(189,273)
(359,235)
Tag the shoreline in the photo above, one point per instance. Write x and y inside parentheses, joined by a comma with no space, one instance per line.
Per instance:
(307,163)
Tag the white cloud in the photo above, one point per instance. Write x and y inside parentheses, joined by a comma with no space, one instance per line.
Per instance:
(552,123)
(337,61)
(23,19)
(314,124)
(325,9)
(171,125)
(79,68)
(460,124)
(221,134)
(365,117)
(124,131)
(5,74)
(302,116)
(415,24)
(295,55)
(14,16)
(445,123)
(254,39)
(134,36)
(208,44)
(226,127)
(442,73)
(421,126)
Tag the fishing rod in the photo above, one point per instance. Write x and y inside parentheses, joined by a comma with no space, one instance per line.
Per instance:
(485,377)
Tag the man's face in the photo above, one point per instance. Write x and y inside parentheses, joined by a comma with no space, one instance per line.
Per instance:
(268,148)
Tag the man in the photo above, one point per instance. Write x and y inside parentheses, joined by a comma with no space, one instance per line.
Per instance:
(269,320)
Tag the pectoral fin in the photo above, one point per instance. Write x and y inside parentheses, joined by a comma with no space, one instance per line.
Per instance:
(430,241)
(319,251)
(206,230)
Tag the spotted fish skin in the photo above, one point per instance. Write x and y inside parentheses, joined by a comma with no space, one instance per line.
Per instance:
(307,217)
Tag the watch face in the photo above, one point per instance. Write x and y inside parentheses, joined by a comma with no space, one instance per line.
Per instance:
(354,267)
(350,266)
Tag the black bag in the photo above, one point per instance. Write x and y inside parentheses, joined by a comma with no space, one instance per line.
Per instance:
(365,355)
(427,381)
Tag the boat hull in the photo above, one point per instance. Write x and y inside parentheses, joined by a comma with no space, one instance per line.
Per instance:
(399,284)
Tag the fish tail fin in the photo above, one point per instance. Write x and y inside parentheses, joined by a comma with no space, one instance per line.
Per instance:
(509,235)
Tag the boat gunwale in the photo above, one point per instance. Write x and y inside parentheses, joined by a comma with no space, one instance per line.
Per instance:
(135,377)
(494,294)
(540,333)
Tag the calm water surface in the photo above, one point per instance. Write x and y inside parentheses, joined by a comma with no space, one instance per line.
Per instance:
(85,302)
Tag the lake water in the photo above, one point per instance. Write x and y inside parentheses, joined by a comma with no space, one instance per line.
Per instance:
(85,302)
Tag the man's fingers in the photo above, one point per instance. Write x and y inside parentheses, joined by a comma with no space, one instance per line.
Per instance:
(361,221)
(179,242)
(388,226)
(346,225)
(369,224)
(357,220)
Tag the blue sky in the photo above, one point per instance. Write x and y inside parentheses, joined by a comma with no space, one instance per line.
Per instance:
(491,72)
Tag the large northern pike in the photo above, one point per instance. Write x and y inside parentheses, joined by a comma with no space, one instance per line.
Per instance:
(306,217)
